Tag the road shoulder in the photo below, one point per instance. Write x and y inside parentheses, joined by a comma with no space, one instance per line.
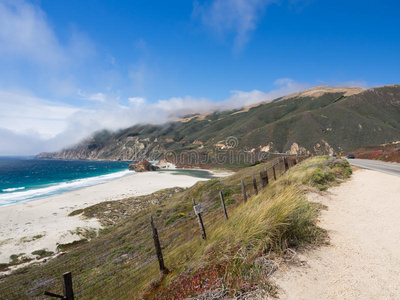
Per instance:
(362,260)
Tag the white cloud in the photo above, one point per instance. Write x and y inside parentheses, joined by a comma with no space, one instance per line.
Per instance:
(180,106)
(240,98)
(97,97)
(23,113)
(137,100)
(238,17)
(34,56)
(285,86)
(29,125)
(12,143)
(26,36)
(40,125)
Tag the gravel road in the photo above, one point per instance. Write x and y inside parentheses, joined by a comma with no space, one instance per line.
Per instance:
(363,258)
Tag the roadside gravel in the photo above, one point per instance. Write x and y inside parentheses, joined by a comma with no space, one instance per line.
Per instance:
(362,260)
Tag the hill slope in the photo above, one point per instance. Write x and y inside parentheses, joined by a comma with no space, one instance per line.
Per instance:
(321,120)
(387,152)
(238,255)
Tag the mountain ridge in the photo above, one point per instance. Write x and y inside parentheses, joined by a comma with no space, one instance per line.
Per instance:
(322,120)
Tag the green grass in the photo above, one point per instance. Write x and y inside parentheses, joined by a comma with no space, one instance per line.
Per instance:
(87,233)
(76,212)
(42,253)
(320,172)
(15,259)
(120,262)
(69,246)
(26,239)
(174,218)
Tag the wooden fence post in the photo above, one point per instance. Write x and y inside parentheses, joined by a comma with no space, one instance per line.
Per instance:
(266,177)
(243,191)
(279,166)
(261,179)
(67,288)
(273,170)
(67,285)
(285,163)
(223,205)
(255,185)
(160,258)
(200,220)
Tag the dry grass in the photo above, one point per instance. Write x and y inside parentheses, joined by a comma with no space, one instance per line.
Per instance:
(120,262)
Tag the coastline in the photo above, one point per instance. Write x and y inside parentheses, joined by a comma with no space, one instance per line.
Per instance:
(43,223)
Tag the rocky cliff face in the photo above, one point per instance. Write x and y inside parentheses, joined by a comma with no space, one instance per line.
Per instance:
(124,149)
(318,121)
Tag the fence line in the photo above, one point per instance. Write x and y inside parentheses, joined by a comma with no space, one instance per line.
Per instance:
(283,164)
(263,180)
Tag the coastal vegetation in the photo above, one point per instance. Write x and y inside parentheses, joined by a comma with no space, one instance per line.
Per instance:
(237,257)
(388,152)
(320,121)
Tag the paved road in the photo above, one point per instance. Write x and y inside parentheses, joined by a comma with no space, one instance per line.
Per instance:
(386,167)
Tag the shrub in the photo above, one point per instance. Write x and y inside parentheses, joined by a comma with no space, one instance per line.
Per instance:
(322,176)
(42,253)
(174,218)
(64,247)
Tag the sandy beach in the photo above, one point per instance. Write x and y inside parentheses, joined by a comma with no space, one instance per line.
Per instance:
(43,223)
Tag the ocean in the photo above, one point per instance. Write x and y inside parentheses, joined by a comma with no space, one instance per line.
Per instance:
(28,178)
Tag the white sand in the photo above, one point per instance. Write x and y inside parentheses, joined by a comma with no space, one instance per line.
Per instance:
(363,258)
(49,216)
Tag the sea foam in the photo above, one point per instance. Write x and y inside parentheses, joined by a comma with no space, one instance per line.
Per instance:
(15,195)
(13,189)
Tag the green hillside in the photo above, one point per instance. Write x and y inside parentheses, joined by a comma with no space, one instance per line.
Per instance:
(304,123)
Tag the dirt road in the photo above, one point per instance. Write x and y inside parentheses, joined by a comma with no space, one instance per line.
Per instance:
(363,258)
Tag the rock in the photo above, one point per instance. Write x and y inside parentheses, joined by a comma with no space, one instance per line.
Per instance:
(163,164)
(142,166)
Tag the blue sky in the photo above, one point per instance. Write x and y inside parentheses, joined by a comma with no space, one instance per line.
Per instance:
(69,67)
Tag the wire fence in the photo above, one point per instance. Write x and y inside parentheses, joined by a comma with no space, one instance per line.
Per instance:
(125,252)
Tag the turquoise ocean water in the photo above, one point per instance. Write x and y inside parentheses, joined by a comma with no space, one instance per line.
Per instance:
(27,178)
